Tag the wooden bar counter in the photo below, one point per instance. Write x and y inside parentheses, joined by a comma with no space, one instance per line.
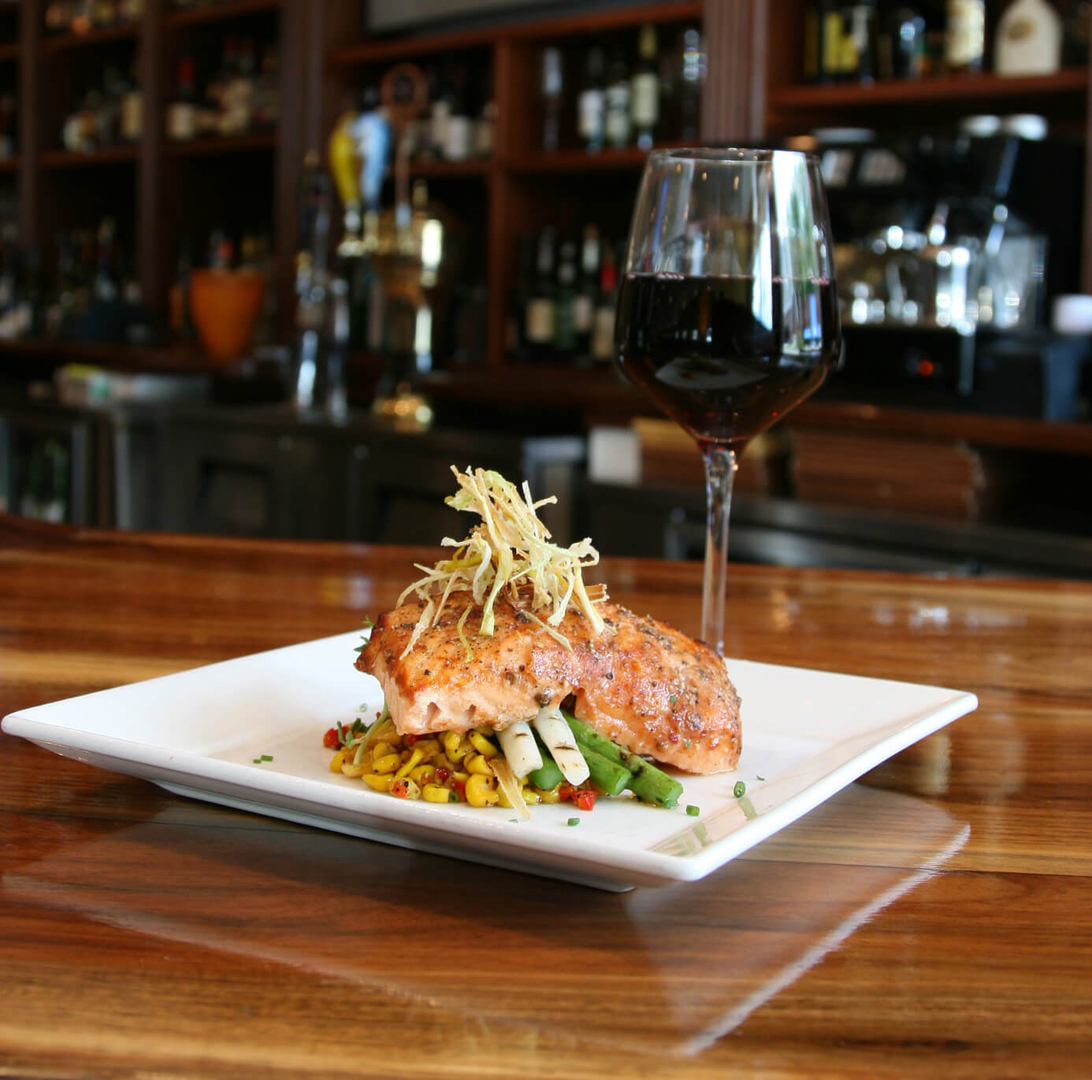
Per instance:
(933,919)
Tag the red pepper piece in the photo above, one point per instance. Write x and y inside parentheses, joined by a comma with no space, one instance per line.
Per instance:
(330,739)
(399,788)
(584,798)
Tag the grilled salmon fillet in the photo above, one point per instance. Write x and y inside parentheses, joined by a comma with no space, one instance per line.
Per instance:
(640,682)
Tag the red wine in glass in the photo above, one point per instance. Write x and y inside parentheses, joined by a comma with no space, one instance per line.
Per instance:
(728,312)
(697,348)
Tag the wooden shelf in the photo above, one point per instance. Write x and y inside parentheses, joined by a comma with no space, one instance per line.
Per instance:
(9,164)
(407,47)
(167,358)
(219,12)
(9,50)
(578,161)
(943,90)
(426,170)
(74,159)
(603,392)
(212,145)
(55,43)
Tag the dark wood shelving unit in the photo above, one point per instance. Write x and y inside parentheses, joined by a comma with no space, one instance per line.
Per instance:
(944,90)
(427,170)
(78,159)
(55,43)
(222,144)
(52,193)
(214,13)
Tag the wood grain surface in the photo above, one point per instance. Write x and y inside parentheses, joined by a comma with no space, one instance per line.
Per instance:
(934,919)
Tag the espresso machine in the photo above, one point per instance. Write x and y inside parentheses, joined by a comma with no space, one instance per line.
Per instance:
(950,249)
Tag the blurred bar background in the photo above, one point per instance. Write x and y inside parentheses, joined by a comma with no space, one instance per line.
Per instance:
(270,267)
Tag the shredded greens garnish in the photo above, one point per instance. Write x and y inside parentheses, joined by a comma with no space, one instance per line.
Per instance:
(508,554)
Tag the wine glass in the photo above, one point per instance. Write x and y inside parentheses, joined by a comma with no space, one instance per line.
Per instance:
(727,312)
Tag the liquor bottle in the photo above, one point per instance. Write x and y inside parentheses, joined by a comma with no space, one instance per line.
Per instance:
(602,345)
(965,36)
(694,67)
(539,320)
(617,123)
(552,88)
(859,41)
(132,108)
(459,138)
(487,117)
(182,113)
(591,104)
(901,49)
(645,89)
(515,330)
(179,296)
(440,112)
(267,96)
(587,292)
(830,41)
(565,304)
(1029,39)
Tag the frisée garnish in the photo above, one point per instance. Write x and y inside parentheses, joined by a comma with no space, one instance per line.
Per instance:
(509,553)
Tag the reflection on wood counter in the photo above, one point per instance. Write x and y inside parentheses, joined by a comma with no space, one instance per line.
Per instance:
(930,920)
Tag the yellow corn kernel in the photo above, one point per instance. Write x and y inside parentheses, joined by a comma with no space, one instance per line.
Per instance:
(551,796)
(349,769)
(410,763)
(423,774)
(485,729)
(381,749)
(480,791)
(387,763)
(429,749)
(478,764)
(336,761)
(377,782)
(460,774)
(456,745)
(483,745)
(438,793)
(530,796)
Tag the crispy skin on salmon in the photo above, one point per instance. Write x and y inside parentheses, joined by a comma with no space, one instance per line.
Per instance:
(640,682)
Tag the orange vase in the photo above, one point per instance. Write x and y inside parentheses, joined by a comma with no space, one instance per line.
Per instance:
(224,306)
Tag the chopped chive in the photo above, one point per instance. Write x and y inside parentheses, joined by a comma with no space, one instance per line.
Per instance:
(693,811)
(760,778)
(686,744)
(453,797)
(514,820)
(673,699)
(573,821)
(740,789)
(267,757)
(257,761)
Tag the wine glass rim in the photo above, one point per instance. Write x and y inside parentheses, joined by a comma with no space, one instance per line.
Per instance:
(729,155)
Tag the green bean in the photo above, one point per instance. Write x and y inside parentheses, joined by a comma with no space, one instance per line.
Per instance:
(648,783)
(606,774)
(549,776)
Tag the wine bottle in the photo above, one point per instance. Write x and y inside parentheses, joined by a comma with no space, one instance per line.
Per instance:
(645,89)
(540,316)
(182,114)
(965,36)
(587,292)
(591,104)
(602,345)
(694,66)
(617,123)
(552,87)
(565,304)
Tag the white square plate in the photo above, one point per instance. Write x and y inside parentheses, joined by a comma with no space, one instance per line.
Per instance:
(806,735)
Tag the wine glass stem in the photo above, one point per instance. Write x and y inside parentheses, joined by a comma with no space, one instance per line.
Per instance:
(720,471)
